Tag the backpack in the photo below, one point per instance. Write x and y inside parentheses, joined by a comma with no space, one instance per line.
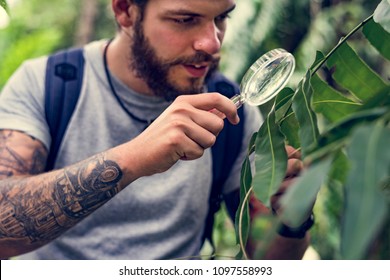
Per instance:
(63,81)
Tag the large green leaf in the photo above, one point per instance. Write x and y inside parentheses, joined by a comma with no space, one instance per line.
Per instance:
(308,132)
(353,74)
(378,37)
(329,102)
(270,160)
(382,14)
(366,205)
(299,198)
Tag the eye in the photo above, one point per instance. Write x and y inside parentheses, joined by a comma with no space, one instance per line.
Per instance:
(220,21)
(222,18)
(184,20)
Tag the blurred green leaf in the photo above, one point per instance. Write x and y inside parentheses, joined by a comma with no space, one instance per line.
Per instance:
(340,130)
(370,161)
(26,48)
(382,14)
(4,5)
(299,198)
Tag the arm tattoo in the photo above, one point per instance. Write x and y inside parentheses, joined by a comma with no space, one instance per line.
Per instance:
(13,162)
(38,209)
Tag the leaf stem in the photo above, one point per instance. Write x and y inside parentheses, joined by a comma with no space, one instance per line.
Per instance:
(353,31)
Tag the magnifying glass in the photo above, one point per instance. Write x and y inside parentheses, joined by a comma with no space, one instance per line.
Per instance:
(265,78)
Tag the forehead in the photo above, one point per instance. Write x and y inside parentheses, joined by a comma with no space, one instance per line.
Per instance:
(198,7)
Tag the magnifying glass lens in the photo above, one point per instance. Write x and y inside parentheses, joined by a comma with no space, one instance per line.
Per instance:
(266,77)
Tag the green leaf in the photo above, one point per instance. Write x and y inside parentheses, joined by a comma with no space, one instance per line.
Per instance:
(285,117)
(382,14)
(308,132)
(381,99)
(329,102)
(340,131)
(340,167)
(289,126)
(283,101)
(318,61)
(242,219)
(299,198)
(270,160)
(366,205)
(378,37)
(353,74)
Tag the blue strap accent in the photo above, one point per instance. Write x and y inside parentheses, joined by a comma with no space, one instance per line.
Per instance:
(64,76)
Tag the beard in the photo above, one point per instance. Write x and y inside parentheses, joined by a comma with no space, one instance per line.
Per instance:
(155,71)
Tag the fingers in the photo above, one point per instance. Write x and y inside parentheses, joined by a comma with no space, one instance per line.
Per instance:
(215,102)
(292,152)
(194,117)
(184,130)
(294,163)
(294,167)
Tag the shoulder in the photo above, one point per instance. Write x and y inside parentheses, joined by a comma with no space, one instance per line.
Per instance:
(32,68)
(28,78)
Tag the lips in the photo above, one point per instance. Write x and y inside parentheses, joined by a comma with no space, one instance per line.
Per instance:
(196,71)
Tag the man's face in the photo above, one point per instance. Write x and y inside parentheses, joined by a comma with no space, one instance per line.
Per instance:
(177,44)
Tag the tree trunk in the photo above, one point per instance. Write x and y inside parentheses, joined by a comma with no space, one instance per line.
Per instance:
(86,28)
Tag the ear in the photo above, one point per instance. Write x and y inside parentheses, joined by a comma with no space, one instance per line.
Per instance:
(124,11)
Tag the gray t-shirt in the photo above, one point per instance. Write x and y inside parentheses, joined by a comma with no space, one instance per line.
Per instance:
(156,217)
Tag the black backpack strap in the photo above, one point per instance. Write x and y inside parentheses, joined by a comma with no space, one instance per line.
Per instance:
(224,152)
(64,75)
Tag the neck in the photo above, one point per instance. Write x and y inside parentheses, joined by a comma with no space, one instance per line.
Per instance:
(118,60)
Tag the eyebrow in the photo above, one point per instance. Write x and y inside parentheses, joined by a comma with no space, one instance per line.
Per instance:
(185,12)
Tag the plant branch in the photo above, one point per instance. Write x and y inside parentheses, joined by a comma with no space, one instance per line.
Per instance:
(344,39)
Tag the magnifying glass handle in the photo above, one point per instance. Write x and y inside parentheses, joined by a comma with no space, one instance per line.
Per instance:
(237,100)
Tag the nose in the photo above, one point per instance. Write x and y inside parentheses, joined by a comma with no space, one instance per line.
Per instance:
(209,39)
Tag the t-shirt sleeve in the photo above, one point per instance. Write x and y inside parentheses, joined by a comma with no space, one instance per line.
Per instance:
(22,101)
(253,121)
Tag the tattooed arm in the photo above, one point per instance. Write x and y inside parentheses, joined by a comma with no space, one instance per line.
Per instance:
(36,209)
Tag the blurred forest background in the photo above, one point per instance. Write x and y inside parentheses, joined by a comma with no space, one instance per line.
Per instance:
(39,27)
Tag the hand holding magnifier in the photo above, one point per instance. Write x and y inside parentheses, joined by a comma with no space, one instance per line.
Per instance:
(265,78)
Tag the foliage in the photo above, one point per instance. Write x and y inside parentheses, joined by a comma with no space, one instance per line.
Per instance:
(34,31)
(4,5)
(341,110)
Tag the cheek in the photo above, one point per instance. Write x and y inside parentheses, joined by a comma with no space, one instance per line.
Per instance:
(168,45)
